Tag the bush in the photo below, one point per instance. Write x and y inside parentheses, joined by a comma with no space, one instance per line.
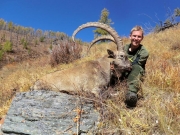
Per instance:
(22,41)
(7,46)
(1,54)
(25,45)
(65,53)
(41,39)
(0,47)
(36,42)
(3,37)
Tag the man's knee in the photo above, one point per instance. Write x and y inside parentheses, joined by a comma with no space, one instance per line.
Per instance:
(131,99)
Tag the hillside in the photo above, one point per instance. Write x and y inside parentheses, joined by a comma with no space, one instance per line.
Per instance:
(26,47)
(158,112)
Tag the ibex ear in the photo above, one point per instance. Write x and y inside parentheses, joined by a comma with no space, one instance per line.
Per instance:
(111,54)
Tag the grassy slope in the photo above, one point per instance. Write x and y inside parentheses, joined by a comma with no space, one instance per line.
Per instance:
(157,113)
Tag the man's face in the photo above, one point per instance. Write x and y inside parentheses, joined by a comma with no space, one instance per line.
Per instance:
(136,37)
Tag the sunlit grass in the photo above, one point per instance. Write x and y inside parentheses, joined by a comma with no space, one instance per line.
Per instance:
(158,112)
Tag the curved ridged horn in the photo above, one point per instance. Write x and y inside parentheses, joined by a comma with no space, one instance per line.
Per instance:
(110,30)
(107,37)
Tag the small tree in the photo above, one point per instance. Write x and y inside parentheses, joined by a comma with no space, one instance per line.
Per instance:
(10,28)
(171,21)
(7,46)
(25,43)
(3,38)
(2,24)
(177,12)
(104,19)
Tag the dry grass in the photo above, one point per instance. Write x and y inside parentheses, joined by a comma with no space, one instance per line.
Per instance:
(158,112)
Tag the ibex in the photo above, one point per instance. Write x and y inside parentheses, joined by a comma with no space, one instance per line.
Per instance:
(90,76)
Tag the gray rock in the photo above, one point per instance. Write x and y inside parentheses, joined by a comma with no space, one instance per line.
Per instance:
(49,113)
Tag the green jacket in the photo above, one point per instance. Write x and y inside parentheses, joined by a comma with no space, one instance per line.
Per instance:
(139,56)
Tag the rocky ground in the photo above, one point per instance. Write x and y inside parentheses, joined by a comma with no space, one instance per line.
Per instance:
(47,112)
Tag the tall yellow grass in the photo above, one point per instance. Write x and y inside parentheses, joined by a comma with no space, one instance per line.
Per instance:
(158,112)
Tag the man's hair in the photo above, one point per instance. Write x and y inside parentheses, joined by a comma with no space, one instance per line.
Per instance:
(137,28)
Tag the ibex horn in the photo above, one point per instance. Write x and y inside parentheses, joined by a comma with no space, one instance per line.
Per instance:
(106,37)
(110,30)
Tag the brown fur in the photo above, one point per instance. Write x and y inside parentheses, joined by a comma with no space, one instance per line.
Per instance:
(89,76)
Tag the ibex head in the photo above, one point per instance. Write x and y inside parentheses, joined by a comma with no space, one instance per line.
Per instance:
(120,60)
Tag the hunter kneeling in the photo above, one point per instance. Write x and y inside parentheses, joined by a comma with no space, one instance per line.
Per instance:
(138,56)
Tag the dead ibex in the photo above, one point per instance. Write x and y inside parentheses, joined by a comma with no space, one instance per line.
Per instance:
(90,76)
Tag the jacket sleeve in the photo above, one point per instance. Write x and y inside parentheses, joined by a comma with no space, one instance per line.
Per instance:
(143,56)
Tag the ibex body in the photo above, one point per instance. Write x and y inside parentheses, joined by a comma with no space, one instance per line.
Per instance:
(90,76)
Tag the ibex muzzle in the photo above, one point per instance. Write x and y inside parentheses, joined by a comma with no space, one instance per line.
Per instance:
(119,65)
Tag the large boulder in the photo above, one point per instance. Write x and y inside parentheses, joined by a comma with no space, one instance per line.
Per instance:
(49,113)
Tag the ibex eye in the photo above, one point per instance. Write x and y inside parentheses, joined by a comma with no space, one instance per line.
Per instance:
(121,56)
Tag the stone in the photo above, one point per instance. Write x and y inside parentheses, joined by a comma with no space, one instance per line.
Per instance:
(50,113)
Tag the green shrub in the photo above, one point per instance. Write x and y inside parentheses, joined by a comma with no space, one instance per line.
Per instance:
(7,46)
(29,50)
(25,45)
(0,47)
(22,41)
(41,39)
(1,54)
(3,37)
(36,42)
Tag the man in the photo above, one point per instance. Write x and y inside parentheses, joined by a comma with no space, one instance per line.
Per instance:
(138,55)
